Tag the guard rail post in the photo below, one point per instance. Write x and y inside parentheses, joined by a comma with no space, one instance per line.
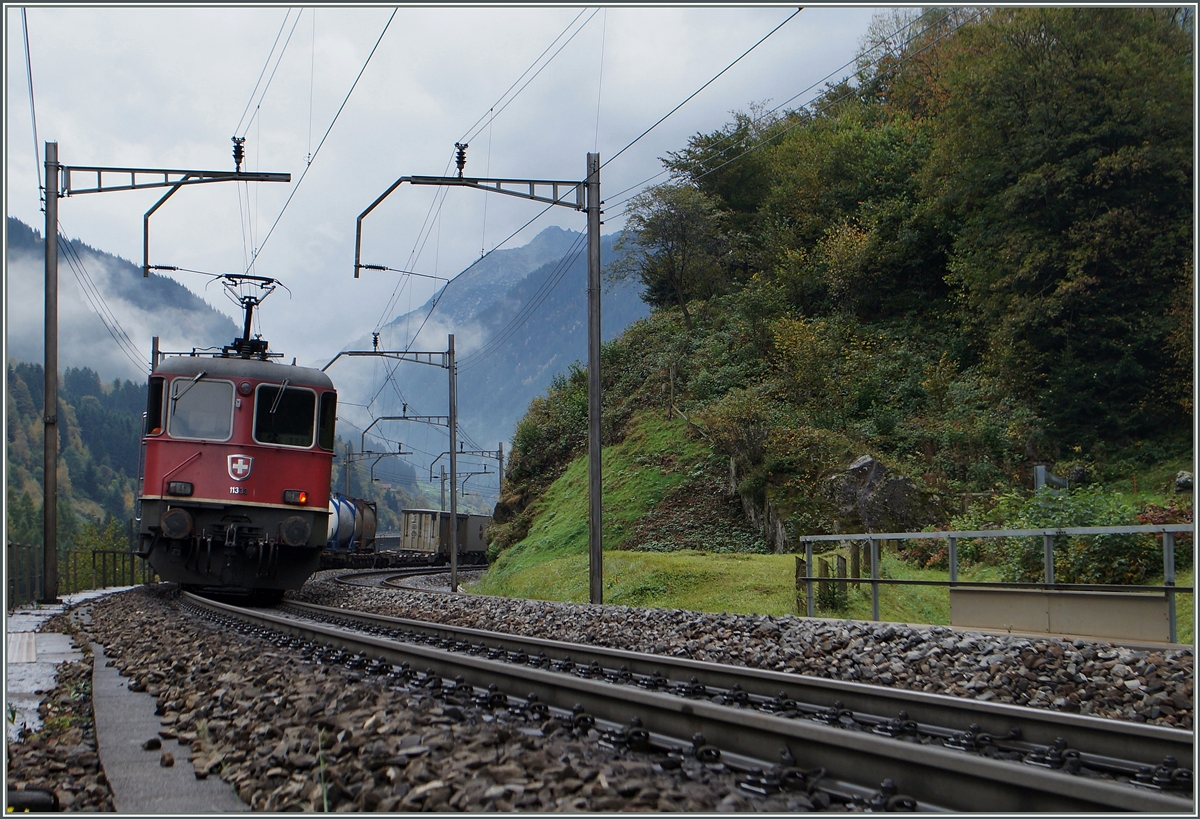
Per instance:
(874,579)
(801,573)
(1048,558)
(953,559)
(1169,579)
(808,591)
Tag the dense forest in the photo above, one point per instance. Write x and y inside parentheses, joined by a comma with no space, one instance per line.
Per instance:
(99,430)
(971,257)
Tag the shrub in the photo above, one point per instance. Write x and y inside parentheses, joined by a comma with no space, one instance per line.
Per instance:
(928,554)
(1153,515)
(1106,559)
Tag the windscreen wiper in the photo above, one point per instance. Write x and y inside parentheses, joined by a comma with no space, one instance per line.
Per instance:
(279,397)
(190,384)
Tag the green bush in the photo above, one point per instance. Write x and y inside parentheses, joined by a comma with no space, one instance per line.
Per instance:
(1174,512)
(1110,559)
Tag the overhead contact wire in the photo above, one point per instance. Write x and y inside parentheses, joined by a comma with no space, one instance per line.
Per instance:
(72,254)
(99,306)
(37,156)
(834,102)
(616,201)
(266,63)
(467,268)
(529,308)
(323,138)
(435,207)
(270,79)
(701,88)
(477,125)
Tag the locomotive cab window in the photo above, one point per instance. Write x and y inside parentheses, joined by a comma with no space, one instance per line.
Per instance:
(154,406)
(283,416)
(328,419)
(200,409)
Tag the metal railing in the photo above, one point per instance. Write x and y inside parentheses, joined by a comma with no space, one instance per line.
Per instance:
(805,578)
(77,571)
(24,568)
(124,565)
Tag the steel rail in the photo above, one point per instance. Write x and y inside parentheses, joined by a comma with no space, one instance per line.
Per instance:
(1131,741)
(936,777)
(406,571)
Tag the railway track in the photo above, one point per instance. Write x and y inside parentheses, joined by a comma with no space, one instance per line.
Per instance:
(874,746)
(399,579)
(388,578)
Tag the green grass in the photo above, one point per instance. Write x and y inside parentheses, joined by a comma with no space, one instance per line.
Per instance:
(698,581)
(655,457)
(1155,484)
(551,563)
(1185,609)
(750,584)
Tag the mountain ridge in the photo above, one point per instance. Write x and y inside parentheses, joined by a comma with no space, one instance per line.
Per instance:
(495,390)
(151,306)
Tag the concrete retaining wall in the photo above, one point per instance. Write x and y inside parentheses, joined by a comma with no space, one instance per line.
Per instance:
(1116,615)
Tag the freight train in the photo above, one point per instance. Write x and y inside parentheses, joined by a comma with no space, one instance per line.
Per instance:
(426,532)
(423,538)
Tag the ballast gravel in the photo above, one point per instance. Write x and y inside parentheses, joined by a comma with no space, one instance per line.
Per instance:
(61,759)
(289,734)
(1080,677)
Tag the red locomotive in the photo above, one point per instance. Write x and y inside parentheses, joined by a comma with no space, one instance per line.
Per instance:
(237,456)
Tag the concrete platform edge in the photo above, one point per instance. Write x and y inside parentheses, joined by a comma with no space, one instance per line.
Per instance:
(124,720)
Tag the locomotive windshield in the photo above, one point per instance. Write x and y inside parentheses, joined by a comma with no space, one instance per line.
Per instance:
(200,409)
(285,416)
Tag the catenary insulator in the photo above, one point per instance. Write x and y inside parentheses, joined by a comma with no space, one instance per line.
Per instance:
(239,152)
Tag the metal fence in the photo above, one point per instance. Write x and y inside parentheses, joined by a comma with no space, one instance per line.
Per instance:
(832,588)
(77,571)
(24,570)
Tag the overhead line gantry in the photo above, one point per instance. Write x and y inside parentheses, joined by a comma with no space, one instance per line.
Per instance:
(578,195)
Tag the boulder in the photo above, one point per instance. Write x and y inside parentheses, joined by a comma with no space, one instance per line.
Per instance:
(868,496)
(1183,482)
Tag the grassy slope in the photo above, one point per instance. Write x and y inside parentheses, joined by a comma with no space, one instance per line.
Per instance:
(656,456)
(551,563)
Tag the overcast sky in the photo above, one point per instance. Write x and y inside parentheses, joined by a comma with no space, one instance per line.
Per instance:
(165,87)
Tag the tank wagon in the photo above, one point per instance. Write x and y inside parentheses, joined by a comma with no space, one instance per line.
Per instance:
(351,542)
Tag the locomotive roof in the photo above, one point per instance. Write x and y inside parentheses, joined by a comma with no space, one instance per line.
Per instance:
(218,367)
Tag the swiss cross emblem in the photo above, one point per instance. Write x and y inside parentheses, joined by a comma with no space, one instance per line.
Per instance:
(239,466)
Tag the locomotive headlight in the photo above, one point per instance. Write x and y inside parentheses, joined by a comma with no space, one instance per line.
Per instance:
(295,531)
(179,488)
(176,523)
(297,496)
